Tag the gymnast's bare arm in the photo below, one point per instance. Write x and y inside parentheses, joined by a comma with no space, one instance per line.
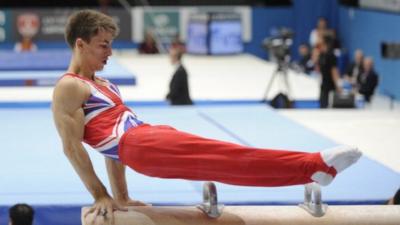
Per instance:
(116,175)
(68,96)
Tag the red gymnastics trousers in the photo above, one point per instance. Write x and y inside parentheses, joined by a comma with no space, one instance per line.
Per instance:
(164,152)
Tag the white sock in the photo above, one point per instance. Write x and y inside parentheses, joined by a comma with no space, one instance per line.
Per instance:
(322,178)
(341,157)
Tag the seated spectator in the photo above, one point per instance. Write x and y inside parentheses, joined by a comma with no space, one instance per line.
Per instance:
(177,43)
(149,45)
(25,45)
(21,214)
(179,85)
(367,80)
(305,64)
(355,68)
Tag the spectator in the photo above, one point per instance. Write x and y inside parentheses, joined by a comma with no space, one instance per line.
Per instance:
(368,79)
(355,68)
(177,43)
(178,87)
(305,64)
(149,45)
(25,45)
(21,214)
(329,72)
(318,33)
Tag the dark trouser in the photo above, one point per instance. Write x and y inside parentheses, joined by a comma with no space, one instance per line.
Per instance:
(324,97)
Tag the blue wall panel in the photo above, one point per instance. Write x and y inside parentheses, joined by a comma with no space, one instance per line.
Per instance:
(264,22)
(366,30)
(306,14)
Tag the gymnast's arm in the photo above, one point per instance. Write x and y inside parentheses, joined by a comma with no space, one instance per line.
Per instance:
(68,96)
(116,175)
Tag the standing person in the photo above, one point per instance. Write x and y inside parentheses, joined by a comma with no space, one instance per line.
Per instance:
(329,72)
(318,32)
(179,86)
(21,214)
(87,108)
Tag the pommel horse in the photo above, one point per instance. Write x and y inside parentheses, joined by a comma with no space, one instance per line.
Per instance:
(311,211)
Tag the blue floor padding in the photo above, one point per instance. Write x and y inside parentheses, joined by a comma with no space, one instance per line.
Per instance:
(55,59)
(35,170)
(41,75)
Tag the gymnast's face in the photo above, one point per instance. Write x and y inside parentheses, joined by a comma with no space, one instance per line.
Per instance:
(95,53)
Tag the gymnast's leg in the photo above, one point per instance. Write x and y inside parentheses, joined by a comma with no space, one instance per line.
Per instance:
(162,151)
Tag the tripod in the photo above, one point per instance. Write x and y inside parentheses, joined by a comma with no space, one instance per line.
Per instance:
(282,70)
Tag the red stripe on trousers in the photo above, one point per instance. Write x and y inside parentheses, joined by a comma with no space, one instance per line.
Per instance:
(164,152)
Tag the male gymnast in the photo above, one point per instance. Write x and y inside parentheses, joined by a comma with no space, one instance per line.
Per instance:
(87,108)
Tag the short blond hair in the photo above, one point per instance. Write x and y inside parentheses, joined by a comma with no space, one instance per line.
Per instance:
(87,23)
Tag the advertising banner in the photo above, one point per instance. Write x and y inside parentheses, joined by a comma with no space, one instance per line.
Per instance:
(49,24)
(167,22)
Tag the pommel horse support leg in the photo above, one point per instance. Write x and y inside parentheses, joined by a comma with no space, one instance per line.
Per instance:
(312,211)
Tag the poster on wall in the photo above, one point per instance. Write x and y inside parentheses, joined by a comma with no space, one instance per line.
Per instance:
(214,34)
(49,24)
(169,21)
(164,24)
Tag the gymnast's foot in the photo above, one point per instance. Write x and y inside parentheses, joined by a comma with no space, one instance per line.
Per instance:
(339,158)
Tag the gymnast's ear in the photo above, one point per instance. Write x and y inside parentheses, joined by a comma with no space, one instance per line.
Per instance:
(79,43)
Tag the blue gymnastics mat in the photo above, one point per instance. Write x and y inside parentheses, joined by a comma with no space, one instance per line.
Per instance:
(43,68)
(56,59)
(35,170)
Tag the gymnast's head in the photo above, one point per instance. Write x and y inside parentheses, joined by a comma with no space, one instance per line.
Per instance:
(84,25)
(90,34)
(21,214)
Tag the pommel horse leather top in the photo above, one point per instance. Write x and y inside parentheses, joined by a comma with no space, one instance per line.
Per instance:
(311,211)
(257,215)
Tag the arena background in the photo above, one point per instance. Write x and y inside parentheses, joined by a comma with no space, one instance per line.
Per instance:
(228,91)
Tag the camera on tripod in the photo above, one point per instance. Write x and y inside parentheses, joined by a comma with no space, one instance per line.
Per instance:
(279,44)
(278,47)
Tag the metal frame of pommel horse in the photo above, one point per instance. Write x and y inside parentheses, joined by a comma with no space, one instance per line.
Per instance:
(312,201)
(210,204)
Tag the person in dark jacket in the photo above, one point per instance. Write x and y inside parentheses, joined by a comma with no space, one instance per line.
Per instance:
(179,85)
(329,72)
(368,80)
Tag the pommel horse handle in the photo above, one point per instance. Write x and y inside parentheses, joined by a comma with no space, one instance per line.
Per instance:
(210,204)
(313,200)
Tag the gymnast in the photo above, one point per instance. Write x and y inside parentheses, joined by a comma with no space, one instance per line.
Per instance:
(89,109)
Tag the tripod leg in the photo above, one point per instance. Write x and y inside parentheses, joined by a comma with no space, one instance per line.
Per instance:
(271,81)
(286,80)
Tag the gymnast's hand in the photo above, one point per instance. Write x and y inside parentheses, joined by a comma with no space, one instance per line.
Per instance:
(94,218)
(105,206)
(130,202)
